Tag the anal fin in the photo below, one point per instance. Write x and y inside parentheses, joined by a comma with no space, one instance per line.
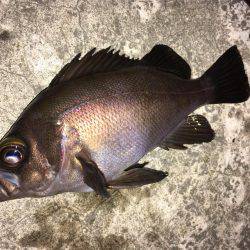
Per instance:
(194,129)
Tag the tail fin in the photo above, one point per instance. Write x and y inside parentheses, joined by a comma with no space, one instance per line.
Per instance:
(229,78)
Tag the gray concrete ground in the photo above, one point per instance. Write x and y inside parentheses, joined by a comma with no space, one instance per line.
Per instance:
(204,204)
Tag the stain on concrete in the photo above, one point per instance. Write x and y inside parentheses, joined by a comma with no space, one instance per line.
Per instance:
(5,35)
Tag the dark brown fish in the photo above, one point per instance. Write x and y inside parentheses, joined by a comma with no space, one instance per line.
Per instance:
(100,115)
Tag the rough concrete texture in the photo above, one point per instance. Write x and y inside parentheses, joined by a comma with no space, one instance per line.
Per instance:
(204,203)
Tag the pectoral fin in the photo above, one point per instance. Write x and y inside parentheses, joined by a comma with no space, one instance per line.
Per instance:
(93,176)
(137,177)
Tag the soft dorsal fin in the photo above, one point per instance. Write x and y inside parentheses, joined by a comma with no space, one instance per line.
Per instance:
(104,60)
(164,58)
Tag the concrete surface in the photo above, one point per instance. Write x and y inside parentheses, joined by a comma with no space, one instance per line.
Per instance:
(204,204)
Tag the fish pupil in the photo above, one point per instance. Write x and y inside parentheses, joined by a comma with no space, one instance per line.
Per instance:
(12,156)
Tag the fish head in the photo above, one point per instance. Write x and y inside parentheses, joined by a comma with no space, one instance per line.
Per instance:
(26,169)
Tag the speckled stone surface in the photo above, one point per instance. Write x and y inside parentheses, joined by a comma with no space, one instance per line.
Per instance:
(204,203)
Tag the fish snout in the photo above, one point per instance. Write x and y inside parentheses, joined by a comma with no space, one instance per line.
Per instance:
(9,185)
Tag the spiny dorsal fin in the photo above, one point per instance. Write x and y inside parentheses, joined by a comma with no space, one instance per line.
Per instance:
(194,129)
(165,59)
(104,60)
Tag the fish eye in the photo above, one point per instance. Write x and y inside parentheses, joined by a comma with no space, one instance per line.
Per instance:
(12,156)
(12,153)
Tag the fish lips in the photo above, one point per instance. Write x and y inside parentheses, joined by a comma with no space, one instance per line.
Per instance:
(9,185)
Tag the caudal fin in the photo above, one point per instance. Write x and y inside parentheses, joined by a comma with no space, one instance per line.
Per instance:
(228,76)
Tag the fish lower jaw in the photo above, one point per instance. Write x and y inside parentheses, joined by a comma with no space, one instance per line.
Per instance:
(8,190)
(3,191)
(9,184)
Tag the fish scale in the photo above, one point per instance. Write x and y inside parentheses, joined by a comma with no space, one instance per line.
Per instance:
(102,127)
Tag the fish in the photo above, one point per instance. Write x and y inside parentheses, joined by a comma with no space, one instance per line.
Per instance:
(89,129)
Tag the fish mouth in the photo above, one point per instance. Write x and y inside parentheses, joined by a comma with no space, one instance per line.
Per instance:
(9,183)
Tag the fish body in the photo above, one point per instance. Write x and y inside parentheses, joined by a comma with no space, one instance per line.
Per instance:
(82,133)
